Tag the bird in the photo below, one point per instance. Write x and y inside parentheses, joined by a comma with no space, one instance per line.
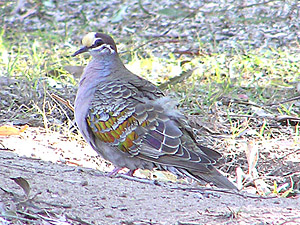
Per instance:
(131,123)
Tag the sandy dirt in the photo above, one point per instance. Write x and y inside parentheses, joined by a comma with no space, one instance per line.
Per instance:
(69,190)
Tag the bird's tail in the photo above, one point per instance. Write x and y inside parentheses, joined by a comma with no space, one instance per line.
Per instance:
(214,177)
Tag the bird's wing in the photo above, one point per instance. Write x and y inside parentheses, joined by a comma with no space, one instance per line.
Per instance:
(125,118)
(121,115)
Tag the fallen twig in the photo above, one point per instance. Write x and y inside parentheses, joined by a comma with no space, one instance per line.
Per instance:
(284,101)
(17,218)
(77,219)
(275,118)
(177,79)
(290,153)
(244,195)
(66,206)
(65,102)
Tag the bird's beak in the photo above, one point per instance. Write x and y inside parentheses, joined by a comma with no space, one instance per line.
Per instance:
(82,50)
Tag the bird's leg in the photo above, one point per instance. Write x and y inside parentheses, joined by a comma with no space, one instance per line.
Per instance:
(130,172)
(114,172)
(129,176)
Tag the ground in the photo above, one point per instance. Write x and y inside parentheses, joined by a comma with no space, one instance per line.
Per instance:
(65,188)
(233,66)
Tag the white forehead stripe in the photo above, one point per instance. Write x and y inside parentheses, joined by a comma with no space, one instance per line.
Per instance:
(88,40)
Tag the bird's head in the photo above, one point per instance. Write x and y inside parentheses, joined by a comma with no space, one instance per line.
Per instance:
(97,44)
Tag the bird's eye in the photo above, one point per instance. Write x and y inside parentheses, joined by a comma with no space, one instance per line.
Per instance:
(97,43)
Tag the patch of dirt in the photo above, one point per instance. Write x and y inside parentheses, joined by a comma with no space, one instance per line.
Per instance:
(69,190)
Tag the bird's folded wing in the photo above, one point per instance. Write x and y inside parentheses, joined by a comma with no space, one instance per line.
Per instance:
(119,116)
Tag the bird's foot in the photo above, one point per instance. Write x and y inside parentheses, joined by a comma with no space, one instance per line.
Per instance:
(137,179)
(116,170)
(130,173)
(129,176)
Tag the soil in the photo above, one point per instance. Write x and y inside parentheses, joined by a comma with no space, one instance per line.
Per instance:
(69,190)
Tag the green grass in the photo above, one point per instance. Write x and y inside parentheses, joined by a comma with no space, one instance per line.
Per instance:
(258,74)
(262,76)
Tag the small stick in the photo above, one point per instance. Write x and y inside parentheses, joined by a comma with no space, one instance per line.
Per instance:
(290,153)
(77,219)
(285,101)
(65,102)
(244,195)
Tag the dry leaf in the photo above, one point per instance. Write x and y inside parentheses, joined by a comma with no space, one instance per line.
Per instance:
(23,184)
(252,158)
(11,130)
(240,175)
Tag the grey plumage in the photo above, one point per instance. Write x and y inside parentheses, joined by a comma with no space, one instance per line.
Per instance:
(130,122)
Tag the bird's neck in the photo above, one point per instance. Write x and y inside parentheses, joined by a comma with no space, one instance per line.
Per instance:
(103,65)
(99,69)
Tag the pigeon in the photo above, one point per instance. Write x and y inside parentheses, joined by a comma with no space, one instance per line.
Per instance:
(131,123)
